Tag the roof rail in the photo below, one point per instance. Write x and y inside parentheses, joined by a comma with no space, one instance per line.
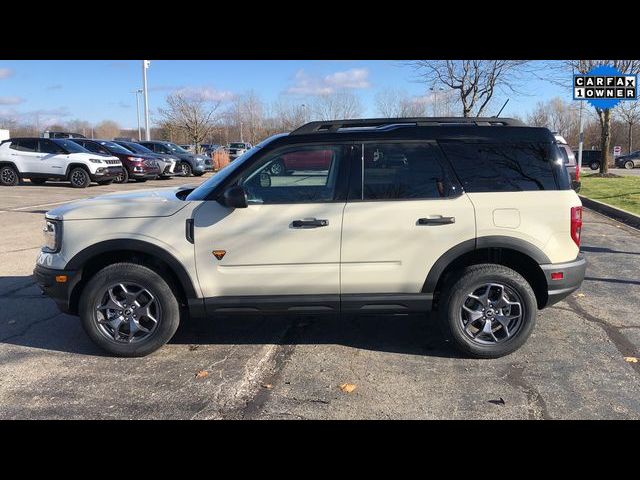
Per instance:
(382,123)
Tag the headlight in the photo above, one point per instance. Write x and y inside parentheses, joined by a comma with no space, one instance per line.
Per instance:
(136,159)
(95,160)
(52,236)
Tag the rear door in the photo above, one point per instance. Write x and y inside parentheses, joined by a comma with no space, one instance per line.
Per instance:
(404,210)
(25,150)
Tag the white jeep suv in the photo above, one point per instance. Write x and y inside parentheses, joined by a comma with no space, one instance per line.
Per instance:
(471,217)
(42,159)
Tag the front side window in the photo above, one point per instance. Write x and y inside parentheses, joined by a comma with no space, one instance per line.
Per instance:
(400,171)
(306,174)
(49,147)
(502,167)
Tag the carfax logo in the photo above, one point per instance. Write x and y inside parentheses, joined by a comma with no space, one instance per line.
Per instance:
(604,87)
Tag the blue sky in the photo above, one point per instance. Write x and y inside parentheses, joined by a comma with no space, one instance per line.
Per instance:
(97,90)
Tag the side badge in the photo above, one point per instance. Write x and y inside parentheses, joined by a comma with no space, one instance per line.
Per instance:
(219,254)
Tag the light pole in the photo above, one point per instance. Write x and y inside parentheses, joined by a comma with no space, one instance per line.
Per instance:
(241,139)
(436,92)
(138,112)
(145,65)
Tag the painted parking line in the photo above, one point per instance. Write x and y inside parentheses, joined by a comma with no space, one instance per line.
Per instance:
(35,206)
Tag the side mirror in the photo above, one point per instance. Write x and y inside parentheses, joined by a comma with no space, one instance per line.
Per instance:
(235,197)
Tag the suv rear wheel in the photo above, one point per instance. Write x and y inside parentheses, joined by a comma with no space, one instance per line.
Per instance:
(629,164)
(595,165)
(129,310)
(488,311)
(8,176)
(79,178)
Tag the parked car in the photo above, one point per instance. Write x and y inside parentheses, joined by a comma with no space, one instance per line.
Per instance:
(570,162)
(136,166)
(236,149)
(629,161)
(307,161)
(42,159)
(48,134)
(167,163)
(189,148)
(473,218)
(209,148)
(190,164)
(590,158)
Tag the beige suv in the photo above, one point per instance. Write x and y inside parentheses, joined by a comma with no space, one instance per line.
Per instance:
(471,217)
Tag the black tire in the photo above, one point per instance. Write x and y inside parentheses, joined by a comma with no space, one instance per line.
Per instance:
(629,165)
(38,181)
(187,171)
(595,165)
(456,292)
(9,176)
(79,178)
(105,182)
(168,314)
(122,177)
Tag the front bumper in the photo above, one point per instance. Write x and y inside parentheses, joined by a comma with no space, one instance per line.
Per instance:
(572,277)
(106,173)
(50,282)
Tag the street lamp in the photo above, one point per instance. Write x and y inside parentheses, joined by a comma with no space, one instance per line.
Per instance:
(435,91)
(145,65)
(137,92)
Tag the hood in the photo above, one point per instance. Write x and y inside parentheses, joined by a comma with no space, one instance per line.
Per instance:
(142,203)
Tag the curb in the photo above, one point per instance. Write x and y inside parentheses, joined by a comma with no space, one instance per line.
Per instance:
(617,214)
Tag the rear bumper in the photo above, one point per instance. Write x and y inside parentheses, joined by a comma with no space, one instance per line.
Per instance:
(48,281)
(572,277)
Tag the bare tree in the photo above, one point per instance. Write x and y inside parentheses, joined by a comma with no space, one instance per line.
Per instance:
(629,113)
(107,129)
(288,114)
(558,116)
(476,81)
(604,114)
(337,106)
(394,103)
(193,114)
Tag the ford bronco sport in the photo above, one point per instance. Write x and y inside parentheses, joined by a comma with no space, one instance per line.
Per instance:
(471,217)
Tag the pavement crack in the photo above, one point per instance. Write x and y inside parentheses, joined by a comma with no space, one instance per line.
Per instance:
(11,292)
(625,346)
(30,326)
(537,407)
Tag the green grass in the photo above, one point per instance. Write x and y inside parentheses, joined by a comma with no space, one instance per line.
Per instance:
(623,192)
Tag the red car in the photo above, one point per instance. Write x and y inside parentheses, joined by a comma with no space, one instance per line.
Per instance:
(304,160)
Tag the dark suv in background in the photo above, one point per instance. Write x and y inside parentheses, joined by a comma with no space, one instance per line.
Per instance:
(137,166)
(168,163)
(590,158)
(190,163)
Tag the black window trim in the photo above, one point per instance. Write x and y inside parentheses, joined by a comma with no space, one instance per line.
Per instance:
(443,160)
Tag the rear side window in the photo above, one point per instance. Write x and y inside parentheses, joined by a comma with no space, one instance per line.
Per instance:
(26,145)
(400,171)
(488,167)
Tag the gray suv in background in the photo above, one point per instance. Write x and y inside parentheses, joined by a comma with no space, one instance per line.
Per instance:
(189,163)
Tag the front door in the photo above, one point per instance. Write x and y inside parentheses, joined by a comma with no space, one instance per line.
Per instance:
(287,242)
(53,158)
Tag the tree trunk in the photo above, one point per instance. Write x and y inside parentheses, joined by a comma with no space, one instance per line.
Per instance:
(605,143)
(630,137)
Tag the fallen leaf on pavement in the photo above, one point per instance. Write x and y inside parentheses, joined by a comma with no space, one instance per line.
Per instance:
(631,359)
(268,386)
(11,322)
(347,387)
(580,295)
(193,348)
(498,402)
(202,374)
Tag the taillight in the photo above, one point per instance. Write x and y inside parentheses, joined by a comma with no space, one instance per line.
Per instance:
(576,224)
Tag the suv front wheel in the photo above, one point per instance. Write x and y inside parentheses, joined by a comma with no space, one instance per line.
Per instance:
(79,178)
(629,164)
(488,311)
(595,165)
(129,310)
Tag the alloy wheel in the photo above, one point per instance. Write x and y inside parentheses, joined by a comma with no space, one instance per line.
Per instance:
(491,313)
(128,313)
(8,176)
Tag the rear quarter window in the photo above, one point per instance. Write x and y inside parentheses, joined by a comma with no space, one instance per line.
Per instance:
(503,167)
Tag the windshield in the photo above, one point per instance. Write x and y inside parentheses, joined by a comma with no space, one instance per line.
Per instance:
(203,191)
(136,148)
(237,145)
(175,148)
(114,147)
(70,146)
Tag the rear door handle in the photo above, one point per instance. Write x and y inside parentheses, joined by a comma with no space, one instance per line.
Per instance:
(309,223)
(436,220)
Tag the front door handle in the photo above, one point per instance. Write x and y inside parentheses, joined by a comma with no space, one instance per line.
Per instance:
(436,220)
(309,223)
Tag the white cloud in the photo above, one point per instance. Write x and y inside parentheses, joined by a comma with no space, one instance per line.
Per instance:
(207,93)
(305,84)
(6,72)
(11,100)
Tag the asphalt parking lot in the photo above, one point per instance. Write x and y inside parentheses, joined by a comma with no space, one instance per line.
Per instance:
(573,366)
